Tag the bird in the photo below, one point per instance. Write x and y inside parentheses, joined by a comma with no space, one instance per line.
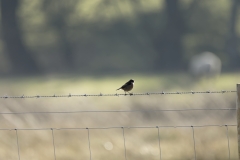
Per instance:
(128,86)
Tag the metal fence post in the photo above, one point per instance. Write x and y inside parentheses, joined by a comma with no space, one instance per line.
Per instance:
(238,117)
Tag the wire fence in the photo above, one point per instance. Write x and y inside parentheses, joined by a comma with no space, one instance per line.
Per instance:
(116,94)
(115,111)
(123,136)
(122,128)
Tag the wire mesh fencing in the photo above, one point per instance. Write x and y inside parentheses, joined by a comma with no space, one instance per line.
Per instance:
(126,142)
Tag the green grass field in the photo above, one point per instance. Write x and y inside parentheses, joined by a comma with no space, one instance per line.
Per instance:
(63,84)
(141,144)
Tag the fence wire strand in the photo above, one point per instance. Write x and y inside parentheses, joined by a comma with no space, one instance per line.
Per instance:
(112,111)
(117,95)
(228,141)
(17,144)
(194,143)
(126,127)
(89,144)
(124,143)
(159,144)
(53,141)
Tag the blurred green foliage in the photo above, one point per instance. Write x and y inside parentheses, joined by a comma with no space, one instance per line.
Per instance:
(121,36)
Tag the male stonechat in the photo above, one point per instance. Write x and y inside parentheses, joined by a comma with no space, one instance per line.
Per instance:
(128,86)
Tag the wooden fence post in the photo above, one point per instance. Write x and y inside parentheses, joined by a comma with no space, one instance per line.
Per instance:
(238,118)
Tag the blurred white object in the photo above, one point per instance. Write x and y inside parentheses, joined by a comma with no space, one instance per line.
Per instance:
(205,64)
(108,146)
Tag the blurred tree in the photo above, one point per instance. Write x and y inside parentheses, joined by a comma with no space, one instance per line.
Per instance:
(58,13)
(232,40)
(21,59)
(169,42)
(94,35)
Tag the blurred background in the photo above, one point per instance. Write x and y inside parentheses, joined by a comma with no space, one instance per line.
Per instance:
(59,47)
(102,36)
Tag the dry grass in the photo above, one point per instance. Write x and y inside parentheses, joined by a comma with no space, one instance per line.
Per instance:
(176,143)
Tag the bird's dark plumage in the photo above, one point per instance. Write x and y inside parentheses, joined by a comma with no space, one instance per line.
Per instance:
(128,86)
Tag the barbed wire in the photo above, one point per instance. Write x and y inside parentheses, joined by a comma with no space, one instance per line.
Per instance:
(112,111)
(116,94)
(121,127)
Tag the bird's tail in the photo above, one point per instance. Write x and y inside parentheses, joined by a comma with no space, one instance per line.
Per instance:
(118,89)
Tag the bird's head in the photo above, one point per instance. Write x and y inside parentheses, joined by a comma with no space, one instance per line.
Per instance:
(131,80)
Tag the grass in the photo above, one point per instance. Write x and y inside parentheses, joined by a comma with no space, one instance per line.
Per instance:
(95,84)
(176,143)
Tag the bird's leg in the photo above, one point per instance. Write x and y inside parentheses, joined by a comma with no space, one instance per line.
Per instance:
(130,93)
(125,93)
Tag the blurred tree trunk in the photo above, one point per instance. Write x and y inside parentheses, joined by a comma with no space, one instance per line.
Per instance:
(66,47)
(57,12)
(232,41)
(169,43)
(20,58)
